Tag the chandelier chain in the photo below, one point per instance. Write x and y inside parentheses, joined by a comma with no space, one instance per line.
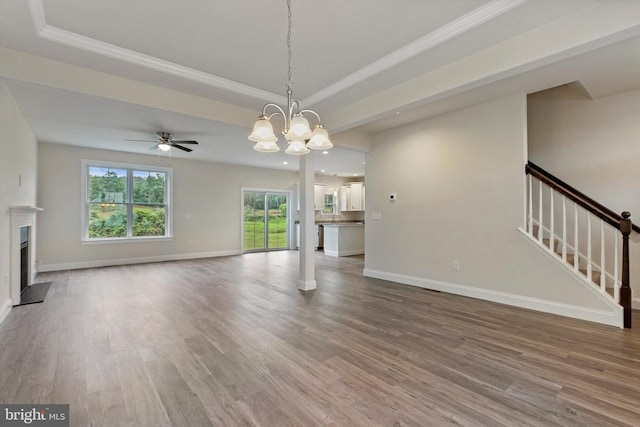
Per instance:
(297,132)
(290,81)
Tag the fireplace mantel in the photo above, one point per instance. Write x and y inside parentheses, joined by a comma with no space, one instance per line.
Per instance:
(25,209)
(22,216)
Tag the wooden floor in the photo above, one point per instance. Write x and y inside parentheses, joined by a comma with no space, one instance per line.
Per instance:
(231,341)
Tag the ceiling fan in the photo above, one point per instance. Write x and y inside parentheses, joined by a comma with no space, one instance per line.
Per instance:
(164,141)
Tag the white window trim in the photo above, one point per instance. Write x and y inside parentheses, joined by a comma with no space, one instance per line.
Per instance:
(84,201)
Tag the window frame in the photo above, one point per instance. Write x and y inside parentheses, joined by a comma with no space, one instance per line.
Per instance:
(128,203)
(334,210)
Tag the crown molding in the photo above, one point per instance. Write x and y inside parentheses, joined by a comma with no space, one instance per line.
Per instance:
(89,44)
(454,28)
(36,9)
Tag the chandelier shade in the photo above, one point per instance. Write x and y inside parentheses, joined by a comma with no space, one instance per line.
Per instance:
(319,139)
(297,148)
(296,130)
(263,131)
(266,146)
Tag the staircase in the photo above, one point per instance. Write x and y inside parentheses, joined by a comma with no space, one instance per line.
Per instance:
(587,237)
(572,260)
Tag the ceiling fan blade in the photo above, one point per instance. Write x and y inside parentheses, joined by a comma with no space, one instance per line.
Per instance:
(188,150)
(185,142)
(155,147)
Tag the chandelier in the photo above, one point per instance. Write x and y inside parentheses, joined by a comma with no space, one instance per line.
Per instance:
(299,136)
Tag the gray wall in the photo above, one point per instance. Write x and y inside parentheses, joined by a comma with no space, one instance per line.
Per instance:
(209,192)
(18,158)
(459,179)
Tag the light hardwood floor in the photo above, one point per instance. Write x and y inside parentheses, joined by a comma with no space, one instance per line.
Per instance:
(231,341)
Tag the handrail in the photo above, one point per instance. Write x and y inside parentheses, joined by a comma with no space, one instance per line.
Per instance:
(599,210)
(620,222)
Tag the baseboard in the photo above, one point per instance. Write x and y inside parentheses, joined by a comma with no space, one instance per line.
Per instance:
(5,309)
(612,318)
(125,261)
(344,253)
(306,285)
(635,303)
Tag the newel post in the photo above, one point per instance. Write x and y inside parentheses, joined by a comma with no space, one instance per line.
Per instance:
(625,290)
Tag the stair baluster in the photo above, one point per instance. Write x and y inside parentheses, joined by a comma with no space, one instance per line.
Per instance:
(589,264)
(530,207)
(603,276)
(540,215)
(564,229)
(576,256)
(616,272)
(552,246)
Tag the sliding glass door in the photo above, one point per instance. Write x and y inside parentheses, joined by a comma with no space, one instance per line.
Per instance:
(265,220)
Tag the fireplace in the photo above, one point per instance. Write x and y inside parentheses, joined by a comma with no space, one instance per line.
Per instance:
(23,234)
(24,258)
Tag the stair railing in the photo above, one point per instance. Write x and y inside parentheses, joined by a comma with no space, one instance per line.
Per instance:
(611,272)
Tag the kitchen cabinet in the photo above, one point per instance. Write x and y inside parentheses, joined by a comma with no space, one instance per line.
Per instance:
(357,190)
(344,239)
(344,194)
(318,197)
(351,197)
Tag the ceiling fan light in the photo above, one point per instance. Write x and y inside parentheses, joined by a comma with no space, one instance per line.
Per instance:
(298,128)
(266,146)
(297,148)
(262,131)
(319,139)
(164,147)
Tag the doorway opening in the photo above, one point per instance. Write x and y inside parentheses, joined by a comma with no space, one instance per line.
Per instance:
(265,222)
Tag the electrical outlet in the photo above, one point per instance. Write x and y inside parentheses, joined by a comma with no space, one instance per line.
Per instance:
(456,266)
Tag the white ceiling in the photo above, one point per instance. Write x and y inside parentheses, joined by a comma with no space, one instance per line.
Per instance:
(364,65)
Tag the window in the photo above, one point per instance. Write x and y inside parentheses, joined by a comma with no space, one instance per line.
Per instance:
(125,201)
(330,207)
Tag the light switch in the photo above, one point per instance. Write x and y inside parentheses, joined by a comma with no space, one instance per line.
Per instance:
(376,215)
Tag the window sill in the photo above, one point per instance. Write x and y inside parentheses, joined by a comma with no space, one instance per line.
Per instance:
(126,240)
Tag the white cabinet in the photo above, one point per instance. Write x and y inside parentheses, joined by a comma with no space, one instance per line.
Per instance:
(343,239)
(344,194)
(318,197)
(356,196)
(352,197)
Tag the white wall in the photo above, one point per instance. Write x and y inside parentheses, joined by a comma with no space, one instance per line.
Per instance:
(18,161)
(209,192)
(594,146)
(459,179)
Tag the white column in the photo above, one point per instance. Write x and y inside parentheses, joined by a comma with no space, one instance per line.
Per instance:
(307,280)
